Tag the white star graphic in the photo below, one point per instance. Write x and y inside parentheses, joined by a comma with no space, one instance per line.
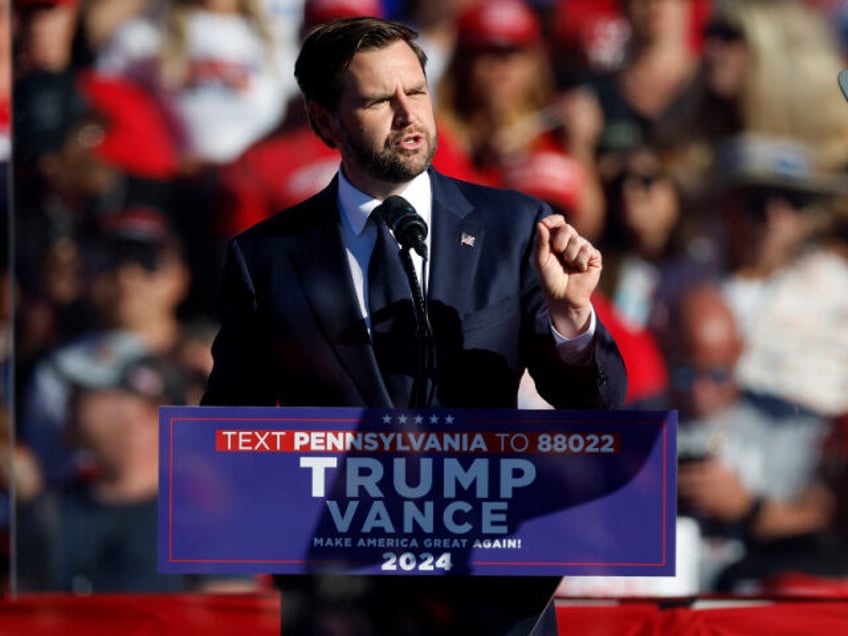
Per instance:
(418,419)
(402,419)
(387,419)
(434,419)
(449,419)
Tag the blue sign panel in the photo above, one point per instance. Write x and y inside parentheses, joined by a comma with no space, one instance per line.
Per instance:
(417,492)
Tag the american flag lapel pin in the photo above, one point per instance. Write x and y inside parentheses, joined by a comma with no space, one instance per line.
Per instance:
(467,240)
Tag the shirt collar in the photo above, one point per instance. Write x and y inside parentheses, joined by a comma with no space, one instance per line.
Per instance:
(356,206)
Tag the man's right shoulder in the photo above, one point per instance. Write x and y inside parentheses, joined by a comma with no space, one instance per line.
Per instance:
(298,220)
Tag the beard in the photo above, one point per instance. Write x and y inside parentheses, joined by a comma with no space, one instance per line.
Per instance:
(389,163)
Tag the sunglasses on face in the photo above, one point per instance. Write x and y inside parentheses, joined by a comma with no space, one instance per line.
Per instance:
(123,253)
(683,377)
(756,201)
(723,32)
(642,180)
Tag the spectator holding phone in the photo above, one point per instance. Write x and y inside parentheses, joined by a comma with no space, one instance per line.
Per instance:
(749,470)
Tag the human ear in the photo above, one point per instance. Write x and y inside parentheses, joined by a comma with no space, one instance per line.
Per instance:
(323,123)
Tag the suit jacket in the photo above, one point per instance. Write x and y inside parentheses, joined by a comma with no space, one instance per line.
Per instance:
(292,333)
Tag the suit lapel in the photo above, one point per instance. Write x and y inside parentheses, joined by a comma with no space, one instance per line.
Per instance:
(456,245)
(321,264)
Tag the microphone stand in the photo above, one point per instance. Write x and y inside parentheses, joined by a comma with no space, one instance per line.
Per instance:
(425,367)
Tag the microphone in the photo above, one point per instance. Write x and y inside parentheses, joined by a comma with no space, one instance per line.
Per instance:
(406,224)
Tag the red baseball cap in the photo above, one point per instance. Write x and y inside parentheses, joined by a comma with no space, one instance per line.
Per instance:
(136,137)
(498,23)
(140,224)
(44,3)
(317,12)
(551,176)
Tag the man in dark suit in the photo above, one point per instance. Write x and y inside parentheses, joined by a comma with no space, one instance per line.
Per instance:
(508,284)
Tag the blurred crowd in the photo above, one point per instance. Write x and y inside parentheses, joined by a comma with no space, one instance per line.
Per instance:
(702,145)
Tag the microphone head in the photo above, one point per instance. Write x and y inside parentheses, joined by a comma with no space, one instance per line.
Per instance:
(406,224)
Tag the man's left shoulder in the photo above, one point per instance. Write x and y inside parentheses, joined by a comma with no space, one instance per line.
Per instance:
(479,191)
(489,200)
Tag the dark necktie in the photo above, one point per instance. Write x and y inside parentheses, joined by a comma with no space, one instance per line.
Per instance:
(392,317)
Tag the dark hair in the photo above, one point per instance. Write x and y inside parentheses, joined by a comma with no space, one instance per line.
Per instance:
(329,48)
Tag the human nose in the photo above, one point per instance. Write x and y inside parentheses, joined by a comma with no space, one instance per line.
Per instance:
(404,113)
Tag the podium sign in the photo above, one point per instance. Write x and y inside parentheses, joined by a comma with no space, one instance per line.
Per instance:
(417,492)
